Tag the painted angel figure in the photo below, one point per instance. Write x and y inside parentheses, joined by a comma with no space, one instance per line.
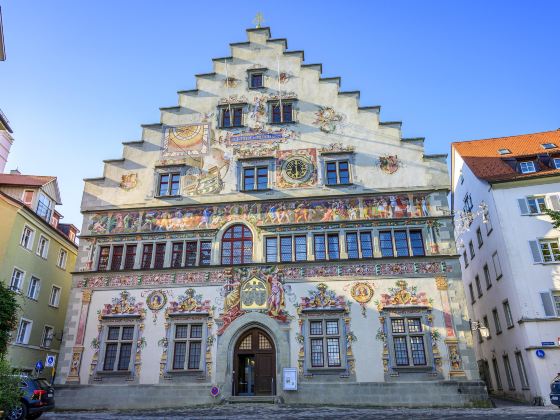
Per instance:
(276,298)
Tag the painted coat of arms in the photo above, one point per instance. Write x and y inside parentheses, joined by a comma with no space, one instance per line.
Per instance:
(328,120)
(389,163)
(129,181)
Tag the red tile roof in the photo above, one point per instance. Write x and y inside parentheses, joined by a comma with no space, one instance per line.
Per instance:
(483,159)
(25,180)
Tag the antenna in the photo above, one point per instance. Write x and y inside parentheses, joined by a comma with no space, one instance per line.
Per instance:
(279,90)
(227,89)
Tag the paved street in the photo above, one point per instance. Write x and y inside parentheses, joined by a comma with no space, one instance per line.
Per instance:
(267,411)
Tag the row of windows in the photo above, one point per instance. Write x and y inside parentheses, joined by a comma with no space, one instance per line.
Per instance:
(487,279)
(237,248)
(34,287)
(24,333)
(497,323)
(232,116)
(509,374)
(42,250)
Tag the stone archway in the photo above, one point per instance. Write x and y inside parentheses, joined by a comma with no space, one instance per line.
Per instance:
(278,334)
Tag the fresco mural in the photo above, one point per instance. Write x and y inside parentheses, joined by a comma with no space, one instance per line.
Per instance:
(362,292)
(129,181)
(201,181)
(396,206)
(190,140)
(403,295)
(298,168)
(328,120)
(389,164)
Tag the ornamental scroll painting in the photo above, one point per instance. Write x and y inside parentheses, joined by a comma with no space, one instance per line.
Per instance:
(362,292)
(186,140)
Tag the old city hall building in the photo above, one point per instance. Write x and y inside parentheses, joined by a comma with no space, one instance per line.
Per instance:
(269,237)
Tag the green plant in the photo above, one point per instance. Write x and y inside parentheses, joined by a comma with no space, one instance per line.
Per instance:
(555,216)
(9,384)
(8,316)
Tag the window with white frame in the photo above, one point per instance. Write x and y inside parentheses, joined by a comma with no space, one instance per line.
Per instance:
(27,238)
(54,298)
(556,163)
(187,346)
(16,283)
(550,250)
(24,331)
(556,301)
(536,205)
(507,314)
(325,342)
(487,326)
(34,287)
(408,341)
(48,335)
(62,257)
(43,247)
(521,369)
(119,341)
(527,167)
(497,265)
(44,207)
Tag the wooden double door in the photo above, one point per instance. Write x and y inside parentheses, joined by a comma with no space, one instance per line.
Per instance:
(254,364)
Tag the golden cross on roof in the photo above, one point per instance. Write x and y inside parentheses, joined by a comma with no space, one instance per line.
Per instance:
(258,20)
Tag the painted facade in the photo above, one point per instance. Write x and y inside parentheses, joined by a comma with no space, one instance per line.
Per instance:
(294,217)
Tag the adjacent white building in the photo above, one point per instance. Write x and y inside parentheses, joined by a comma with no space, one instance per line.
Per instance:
(510,258)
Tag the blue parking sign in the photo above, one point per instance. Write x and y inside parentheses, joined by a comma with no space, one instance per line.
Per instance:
(50,360)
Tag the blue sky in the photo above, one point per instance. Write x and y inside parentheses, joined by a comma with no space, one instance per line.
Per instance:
(81,76)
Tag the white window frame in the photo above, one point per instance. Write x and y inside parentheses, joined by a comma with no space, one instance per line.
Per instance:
(29,245)
(57,303)
(36,290)
(535,201)
(27,334)
(48,203)
(527,167)
(548,242)
(44,253)
(44,336)
(556,163)
(61,262)
(21,280)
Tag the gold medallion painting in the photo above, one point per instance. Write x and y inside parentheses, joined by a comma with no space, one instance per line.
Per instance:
(186,140)
(362,292)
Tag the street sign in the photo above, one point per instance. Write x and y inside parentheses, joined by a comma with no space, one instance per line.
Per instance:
(540,353)
(547,343)
(50,360)
(39,365)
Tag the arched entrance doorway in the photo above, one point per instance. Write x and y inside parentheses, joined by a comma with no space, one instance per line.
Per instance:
(254,364)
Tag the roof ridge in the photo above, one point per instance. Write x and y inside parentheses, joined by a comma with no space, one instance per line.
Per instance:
(505,137)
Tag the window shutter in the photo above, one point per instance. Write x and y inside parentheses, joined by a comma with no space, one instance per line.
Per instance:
(554,201)
(547,304)
(535,250)
(523,206)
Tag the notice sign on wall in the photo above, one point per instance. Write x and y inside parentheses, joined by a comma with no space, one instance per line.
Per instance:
(290,379)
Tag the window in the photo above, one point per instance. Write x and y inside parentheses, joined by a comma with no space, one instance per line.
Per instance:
(487,276)
(488,225)
(550,250)
(467,203)
(187,347)
(487,326)
(27,197)
(44,207)
(34,287)
(325,343)
(478,286)
(285,248)
(147,255)
(527,167)
(507,313)
(255,178)
(159,259)
(465,259)
(497,266)
(271,249)
(401,243)
(17,280)
(232,116)
(205,252)
(118,348)
(282,114)
(479,237)
(333,246)
(117,257)
(352,245)
(48,335)
(366,245)
(471,249)
(62,257)
(536,205)
(497,321)
(471,292)
(556,301)
(237,245)
(43,247)
(177,254)
(292,248)
(548,146)
(24,331)
(504,151)
(256,80)
(556,163)
(169,184)
(103,259)
(386,243)
(408,341)
(497,374)
(338,172)
(54,299)
(130,257)
(326,245)
(417,243)
(521,370)
(300,242)
(509,375)
(479,332)
(27,238)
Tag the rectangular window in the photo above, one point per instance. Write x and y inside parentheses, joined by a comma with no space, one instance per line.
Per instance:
(54,299)
(285,248)
(352,245)
(550,250)
(467,203)
(301,247)
(471,292)
(62,257)
(27,238)
(256,80)
(27,197)
(408,341)
(465,259)
(118,348)
(205,252)
(507,313)
(556,302)
(497,266)
(255,178)
(488,225)
(325,343)
(190,253)
(187,348)
(177,254)
(386,243)
(160,255)
(282,114)
(401,351)
(43,247)
(48,335)
(479,237)
(536,205)
(271,249)
(527,167)
(487,279)
(478,286)
(338,172)
(417,243)
(103,261)
(486,325)
(169,184)
(24,331)
(522,372)
(130,257)
(497,324)
(44,207)
(317,352)
(471,249)
(319,247)
(509,375)
(116,259)
(417,350)
(556,163)
(34,287)
(497,374)
(147,252)
(401,243)
(17,280)
(366,245)
(333,246)
(232,117)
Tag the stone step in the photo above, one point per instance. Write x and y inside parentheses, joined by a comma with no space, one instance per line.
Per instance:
(267,399)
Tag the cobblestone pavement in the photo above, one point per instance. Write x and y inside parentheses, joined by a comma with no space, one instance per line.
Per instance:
(268,411)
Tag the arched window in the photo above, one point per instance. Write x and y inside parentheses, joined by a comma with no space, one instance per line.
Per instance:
(237,245)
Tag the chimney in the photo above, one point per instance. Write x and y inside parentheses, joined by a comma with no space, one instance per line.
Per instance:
(15,172)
